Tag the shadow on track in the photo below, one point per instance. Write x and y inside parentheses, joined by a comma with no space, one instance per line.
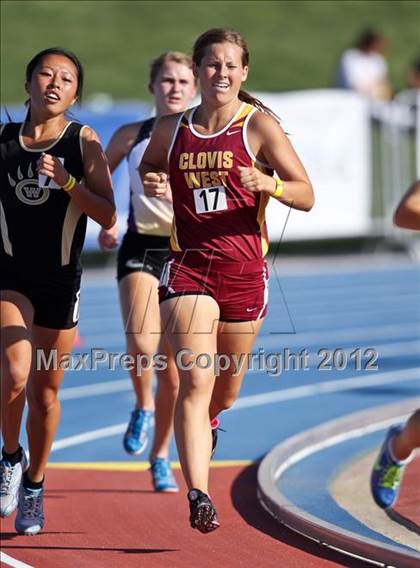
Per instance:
(245,501)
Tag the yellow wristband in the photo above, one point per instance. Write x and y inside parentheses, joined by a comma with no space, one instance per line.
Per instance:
(70,183)
(279,188)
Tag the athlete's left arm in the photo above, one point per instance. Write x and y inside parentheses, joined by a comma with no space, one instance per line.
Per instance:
(270,144)
(94,196)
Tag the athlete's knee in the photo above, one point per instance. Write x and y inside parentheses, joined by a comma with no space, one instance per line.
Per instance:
(141,346)
(42,400)
(14,378)
(223,402)
(415,419)
(197,387)
(413,427)
(168,376)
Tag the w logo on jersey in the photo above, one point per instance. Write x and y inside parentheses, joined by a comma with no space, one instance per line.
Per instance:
(27,188)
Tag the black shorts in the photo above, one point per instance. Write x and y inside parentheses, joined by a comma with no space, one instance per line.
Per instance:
(54,295)
(142,253)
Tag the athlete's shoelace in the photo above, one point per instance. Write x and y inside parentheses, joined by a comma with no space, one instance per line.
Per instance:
(391,476)
(32,505)
(136,425)
(6,474)
(161,469)
(139,421)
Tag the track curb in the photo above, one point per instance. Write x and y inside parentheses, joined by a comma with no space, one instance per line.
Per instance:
(292,450)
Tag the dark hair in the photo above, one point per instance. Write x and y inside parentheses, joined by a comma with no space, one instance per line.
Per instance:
(176,56)
(222,35)
(367,38)
(36,60)
(415,66)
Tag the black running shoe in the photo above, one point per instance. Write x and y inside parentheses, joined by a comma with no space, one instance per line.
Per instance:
(203,515)
(214,437)
(215,427)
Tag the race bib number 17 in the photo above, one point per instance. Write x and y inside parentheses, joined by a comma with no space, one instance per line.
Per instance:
(209,199)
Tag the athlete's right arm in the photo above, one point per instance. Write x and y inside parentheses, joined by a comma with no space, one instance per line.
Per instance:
(118,148)
(121,143)
(407,214)
(154,166)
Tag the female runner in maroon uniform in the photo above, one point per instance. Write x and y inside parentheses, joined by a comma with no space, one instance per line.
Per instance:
(214,289)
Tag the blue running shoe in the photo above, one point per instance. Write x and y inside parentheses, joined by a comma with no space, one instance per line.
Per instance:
(30,515)
(387,474)
(10,480)
(136,436)
(162,476)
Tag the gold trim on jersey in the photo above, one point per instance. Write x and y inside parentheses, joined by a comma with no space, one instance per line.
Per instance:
(71,219)
(5,232)
(173,243)
(81,141)
(186,117)
(243,114)
(27,149)
(264,199)
(243,110)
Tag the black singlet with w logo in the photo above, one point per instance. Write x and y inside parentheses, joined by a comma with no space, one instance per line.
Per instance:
(40,225)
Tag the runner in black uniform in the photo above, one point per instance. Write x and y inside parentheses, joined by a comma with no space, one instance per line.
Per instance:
(53,174)
(140,261)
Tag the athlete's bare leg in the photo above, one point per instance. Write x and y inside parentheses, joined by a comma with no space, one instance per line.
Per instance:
(16,315)
(166,395)
(42,395)
(408,440)
(191,323)
(232,338)
(141,318)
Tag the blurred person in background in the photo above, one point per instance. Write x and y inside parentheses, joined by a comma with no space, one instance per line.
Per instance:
(54,175)
(363,67)
(413,76)
(401,440)
(140,260)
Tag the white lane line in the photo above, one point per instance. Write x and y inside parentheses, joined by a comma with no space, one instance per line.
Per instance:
(285,336)
(393,349)
(338,439)
(125,385)
(6,559)
(367,333)
(319,312)
(95,389)
(325,387)
(107,432)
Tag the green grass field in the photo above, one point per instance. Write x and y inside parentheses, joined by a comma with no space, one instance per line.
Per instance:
(294,45)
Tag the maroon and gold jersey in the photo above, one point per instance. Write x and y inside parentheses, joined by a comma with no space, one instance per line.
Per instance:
(213,214)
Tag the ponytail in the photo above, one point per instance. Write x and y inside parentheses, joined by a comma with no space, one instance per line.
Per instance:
(247,98)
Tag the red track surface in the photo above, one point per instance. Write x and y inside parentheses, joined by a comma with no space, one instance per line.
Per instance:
(100,519)
(408,502)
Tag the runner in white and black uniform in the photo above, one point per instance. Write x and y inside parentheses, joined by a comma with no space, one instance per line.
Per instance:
(42,229)
(140,261)
(54,175)
(145,244)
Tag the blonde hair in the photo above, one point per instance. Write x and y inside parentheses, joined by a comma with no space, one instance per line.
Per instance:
(176,56)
